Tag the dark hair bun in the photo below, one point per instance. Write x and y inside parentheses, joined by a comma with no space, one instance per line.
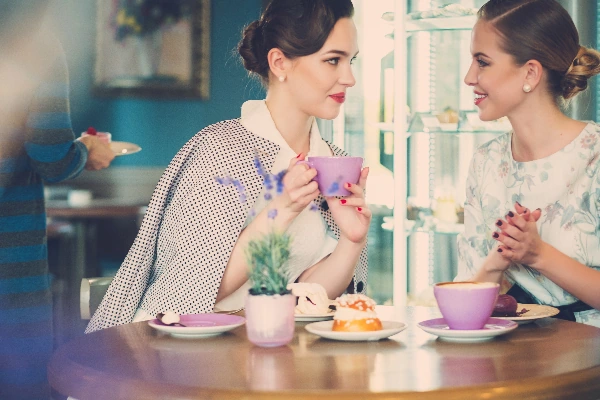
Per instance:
(251,49)
(585,65)
(296,27)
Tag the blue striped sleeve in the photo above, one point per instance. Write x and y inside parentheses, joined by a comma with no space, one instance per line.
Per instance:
(49,120)
(50,141)
(54,89)
(13,165)
(19,194)
(22,223)
(24,285)
(23,253)
(48,153)
(15,315)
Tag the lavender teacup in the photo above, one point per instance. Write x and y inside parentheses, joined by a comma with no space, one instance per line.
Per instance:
(334,172)
(466,305)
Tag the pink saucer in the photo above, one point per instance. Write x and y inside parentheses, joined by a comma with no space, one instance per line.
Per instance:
(200,325)
(493,327)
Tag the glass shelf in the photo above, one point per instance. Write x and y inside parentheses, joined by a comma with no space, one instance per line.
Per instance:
(441,24)
(456,123)
(422,226)
(465,22)
(389,127)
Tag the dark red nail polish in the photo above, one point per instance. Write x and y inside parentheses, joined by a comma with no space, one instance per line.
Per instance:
(495,235)
(359,209)
(348,185)
(499,250)
(298,156)
(526,211)
(539,209)
(511,214)
(343,201)
(518,204)
(499,223)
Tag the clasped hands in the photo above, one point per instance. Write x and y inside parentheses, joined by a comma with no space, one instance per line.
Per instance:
(350,213)
(518,237)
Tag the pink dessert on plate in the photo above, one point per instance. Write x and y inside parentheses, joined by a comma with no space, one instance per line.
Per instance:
(91,131)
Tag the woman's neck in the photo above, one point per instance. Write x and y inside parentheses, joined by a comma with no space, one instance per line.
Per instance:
(293,125)
(539,132)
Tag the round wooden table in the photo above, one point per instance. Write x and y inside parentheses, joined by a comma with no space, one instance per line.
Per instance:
(547,359)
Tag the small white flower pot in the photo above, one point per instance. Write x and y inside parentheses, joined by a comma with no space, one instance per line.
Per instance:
(270,319)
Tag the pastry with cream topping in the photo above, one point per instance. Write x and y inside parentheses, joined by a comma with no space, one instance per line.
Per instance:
(356,313)
(312,298)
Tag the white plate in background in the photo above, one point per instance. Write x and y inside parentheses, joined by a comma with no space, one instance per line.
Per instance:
(323,329)
(314,317)
(124,148)
(494,327)
(534,311)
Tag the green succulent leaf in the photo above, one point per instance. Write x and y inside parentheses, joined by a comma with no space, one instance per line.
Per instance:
(267,258)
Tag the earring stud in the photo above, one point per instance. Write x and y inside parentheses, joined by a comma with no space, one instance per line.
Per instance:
(282,78)
(527,88)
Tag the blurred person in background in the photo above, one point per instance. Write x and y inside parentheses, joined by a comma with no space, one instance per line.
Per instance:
(37,145)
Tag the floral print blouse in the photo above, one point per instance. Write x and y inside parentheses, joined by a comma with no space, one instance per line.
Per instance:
(565,185)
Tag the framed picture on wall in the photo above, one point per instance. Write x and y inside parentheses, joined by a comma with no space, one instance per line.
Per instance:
(152,48)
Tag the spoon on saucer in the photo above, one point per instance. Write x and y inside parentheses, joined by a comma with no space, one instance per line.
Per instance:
(169,318)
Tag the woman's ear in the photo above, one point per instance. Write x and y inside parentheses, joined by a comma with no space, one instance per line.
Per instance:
(535,72)
(278,63)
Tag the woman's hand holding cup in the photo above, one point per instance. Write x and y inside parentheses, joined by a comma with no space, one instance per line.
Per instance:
(331,176)
(351,213)
(299,187)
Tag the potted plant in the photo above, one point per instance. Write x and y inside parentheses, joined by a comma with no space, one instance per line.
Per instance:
(269,304)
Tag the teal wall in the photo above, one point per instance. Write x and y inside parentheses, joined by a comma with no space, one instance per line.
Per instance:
(160,127)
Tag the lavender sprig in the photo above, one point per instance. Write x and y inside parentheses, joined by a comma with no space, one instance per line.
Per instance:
(267,256)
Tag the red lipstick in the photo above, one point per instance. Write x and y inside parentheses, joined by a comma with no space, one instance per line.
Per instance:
(479,97)
(339,97)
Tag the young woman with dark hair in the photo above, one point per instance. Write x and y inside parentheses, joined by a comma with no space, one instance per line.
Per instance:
(527,63)
(189,254)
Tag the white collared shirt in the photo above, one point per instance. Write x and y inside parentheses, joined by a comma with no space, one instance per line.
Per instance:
(311,238)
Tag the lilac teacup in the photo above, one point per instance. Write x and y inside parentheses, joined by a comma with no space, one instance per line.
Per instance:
(466,305)
(334,172)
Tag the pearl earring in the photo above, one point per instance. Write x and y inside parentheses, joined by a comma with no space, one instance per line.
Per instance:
(282,78)
(527,88)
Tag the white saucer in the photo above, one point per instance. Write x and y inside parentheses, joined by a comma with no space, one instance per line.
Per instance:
(323,329)
(200,325)
(314,317)
(534,311)
(124,148)
(494,327)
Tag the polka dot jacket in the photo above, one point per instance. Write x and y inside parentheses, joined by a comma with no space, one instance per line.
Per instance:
(198,221)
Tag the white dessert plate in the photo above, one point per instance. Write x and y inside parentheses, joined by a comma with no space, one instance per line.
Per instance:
(200,325)
(314,317)
(534,311)
(494,327)
(124,148)
(323,329)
